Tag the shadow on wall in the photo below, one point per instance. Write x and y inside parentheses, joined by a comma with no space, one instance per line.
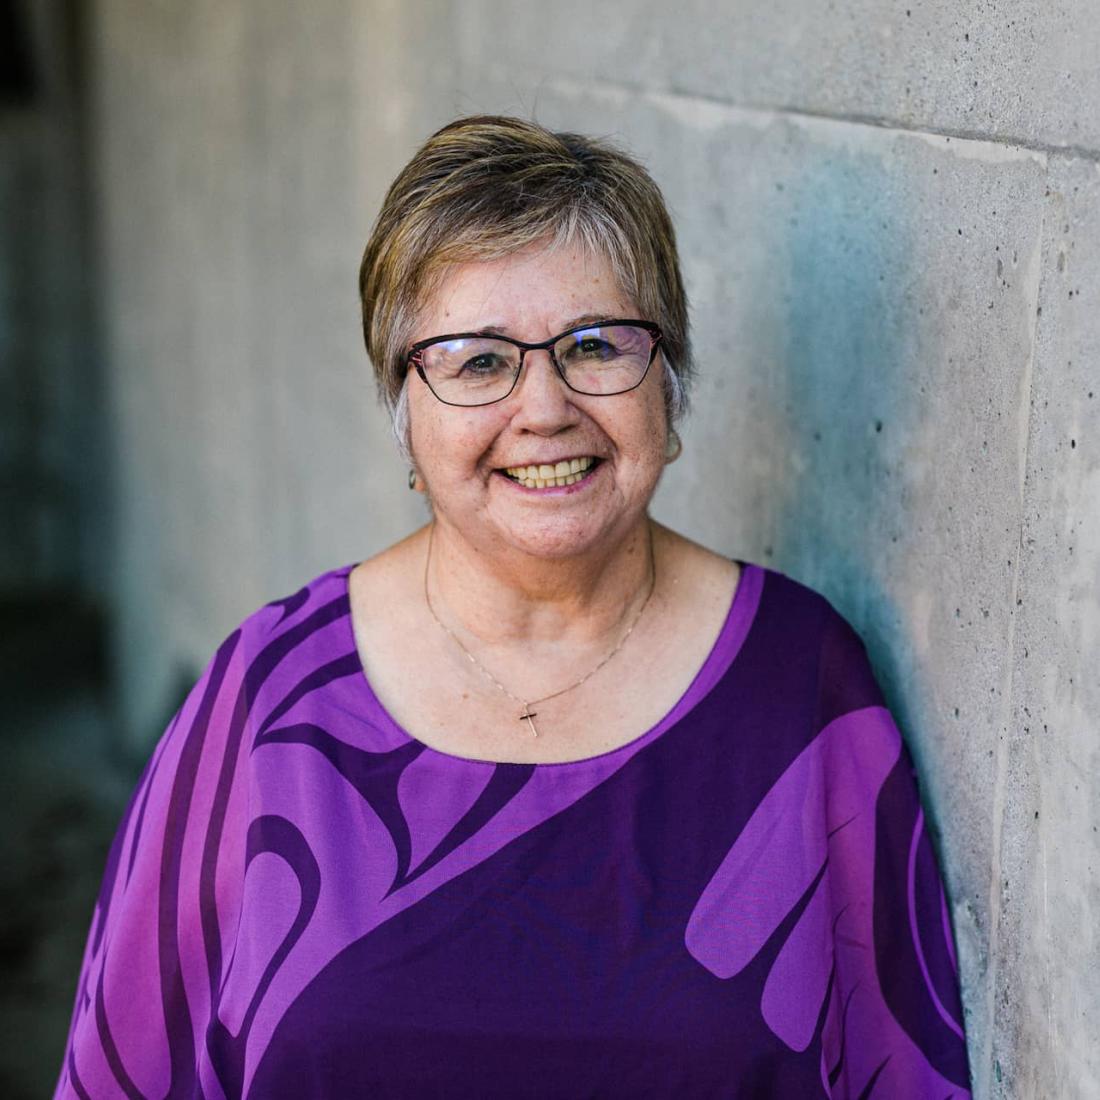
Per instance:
(847,351)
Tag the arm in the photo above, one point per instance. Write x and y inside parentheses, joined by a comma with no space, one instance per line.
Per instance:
(166,904)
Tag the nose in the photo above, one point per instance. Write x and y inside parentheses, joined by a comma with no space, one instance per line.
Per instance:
(543,401)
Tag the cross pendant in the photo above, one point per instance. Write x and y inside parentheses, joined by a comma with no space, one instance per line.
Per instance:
(527,715)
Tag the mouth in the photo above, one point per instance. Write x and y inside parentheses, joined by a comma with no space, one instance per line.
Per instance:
(567,472)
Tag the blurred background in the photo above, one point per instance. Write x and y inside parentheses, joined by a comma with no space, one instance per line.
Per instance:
(889,215)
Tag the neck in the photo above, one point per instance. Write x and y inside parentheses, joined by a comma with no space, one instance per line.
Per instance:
(502,598)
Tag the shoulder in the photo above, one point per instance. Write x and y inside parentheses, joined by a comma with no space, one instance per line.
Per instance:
(693,577)
(317,601)
(291,619)
(391,578)
(279,645)
(783,601)
(798,620)
(800,609)
(289,660)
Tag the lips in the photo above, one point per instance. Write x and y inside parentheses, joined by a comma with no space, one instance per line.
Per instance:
(546,475)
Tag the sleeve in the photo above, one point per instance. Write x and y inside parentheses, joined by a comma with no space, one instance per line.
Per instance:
(832,887)
(168,905)
(893,1021)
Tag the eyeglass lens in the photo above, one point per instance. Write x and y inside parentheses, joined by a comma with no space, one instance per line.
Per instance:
(601,360)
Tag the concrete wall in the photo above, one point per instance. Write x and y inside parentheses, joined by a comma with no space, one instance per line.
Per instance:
(52,523)
(890,222)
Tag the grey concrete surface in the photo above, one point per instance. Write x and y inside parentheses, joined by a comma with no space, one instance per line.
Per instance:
(1015,71)
(895,281)
(1045,962)
(238,171)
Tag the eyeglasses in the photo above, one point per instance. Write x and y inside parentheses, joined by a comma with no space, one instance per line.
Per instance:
(601,359)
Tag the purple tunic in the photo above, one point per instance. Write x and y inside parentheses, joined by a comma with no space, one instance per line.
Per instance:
(304,901)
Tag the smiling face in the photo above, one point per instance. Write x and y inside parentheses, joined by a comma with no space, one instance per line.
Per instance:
(469,458)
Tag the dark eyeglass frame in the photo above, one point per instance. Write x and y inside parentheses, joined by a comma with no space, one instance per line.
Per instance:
(414,358)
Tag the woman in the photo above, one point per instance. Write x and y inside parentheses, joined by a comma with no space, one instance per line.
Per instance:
(545,800)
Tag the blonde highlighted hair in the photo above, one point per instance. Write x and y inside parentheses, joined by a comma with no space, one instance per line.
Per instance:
(487,186)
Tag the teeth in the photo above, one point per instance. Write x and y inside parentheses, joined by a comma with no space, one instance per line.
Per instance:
(550,474)
(549,482)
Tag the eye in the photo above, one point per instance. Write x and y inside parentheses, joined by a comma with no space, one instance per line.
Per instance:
(590,347)
(477,366)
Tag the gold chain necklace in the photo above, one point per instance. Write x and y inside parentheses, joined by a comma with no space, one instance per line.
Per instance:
(528,714)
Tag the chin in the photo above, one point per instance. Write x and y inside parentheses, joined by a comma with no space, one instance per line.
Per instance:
(555,540)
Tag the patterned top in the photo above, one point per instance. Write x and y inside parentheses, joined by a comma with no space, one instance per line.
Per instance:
(305,901)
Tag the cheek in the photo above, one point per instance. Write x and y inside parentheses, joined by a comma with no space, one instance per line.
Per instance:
(427,435)
(652,429)
(447,443)
(418,431)
(653,461)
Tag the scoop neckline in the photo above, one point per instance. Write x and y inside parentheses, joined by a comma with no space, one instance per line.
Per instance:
(720,658)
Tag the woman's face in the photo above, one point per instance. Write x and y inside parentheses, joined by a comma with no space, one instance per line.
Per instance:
(462,454)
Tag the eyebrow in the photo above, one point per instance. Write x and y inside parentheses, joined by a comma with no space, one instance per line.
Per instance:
(583,319)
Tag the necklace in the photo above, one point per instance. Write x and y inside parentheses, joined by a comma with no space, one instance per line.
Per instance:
(528,714)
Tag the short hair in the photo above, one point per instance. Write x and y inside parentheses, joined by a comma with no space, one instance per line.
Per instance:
(487,186)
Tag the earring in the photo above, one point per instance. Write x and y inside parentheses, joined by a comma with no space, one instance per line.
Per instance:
(412,477)
(673,446)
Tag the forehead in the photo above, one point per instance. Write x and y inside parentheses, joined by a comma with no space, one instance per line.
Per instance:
(530,295)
